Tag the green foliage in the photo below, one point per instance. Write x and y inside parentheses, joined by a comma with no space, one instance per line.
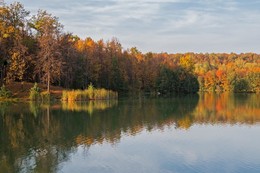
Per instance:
(167,81)
(116,79)
(242,85)
(187,82)
(35,93)
(5,93)
(250,83)
(178,81)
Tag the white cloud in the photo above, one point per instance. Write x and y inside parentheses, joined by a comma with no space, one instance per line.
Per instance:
(165,25)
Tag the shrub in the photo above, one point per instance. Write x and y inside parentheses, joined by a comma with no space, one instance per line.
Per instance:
(35,93)
(5,93)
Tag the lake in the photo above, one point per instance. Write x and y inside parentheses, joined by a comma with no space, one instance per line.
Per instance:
(194,133)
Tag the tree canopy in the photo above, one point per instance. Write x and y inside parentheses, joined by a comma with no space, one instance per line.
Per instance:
(34,48)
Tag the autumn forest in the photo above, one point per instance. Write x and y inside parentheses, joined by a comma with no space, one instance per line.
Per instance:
(35,48)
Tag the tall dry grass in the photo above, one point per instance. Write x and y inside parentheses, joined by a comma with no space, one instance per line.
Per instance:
(90,93)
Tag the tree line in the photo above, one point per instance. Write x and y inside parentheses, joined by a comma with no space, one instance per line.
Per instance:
(34,48)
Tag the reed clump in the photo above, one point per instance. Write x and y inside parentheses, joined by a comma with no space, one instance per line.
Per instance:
(90,93)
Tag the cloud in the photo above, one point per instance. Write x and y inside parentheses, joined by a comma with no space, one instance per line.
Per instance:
(165,25)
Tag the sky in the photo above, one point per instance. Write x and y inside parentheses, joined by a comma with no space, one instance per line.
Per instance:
(173,26)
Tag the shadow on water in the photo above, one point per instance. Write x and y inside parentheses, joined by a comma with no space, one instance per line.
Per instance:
(35,135)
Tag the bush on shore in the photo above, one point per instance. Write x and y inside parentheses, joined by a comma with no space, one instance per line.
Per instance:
(37,95)
(5,93)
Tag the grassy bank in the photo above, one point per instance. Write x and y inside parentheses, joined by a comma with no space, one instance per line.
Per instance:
(22,90)
(25,91)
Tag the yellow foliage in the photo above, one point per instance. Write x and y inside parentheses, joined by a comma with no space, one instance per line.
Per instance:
(88,94)
(187,63)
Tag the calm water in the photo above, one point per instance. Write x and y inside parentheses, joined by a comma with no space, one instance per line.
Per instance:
(203,133)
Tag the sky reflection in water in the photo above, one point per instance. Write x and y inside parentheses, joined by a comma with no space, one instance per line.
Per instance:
(202,148)
(206,133)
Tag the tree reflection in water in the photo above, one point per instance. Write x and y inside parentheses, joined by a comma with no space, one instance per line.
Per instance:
(37,138)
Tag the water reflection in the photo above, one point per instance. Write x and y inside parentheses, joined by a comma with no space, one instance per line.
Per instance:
(89,106)
(228,108)
(34,135)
